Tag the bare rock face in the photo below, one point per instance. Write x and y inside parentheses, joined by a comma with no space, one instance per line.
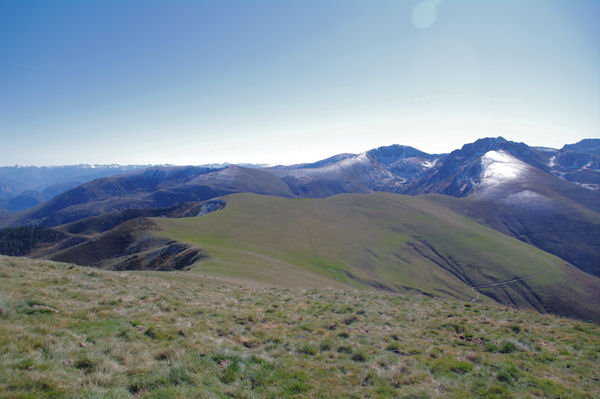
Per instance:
(173,256)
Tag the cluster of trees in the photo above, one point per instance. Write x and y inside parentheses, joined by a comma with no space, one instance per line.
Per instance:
(19,241)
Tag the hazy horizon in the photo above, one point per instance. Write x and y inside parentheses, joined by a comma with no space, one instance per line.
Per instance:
(257,164)
(202,82)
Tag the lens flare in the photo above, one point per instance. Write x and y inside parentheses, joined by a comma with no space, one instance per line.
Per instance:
(424,15)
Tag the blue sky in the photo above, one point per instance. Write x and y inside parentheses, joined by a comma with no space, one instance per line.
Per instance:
(286,81)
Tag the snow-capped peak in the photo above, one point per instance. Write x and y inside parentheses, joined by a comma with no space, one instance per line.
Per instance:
(339,166)
(500,167)
(360,158)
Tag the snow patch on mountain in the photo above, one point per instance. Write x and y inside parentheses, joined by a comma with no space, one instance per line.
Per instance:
(361,158)
(334,169)
(588,166)
(529,199)
(589,186)
(429,164)
(501,167)
(350,173)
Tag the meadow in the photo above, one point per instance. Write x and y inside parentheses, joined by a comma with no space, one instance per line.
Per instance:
(75,332)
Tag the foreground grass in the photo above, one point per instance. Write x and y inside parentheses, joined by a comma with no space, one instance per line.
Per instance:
(67,331)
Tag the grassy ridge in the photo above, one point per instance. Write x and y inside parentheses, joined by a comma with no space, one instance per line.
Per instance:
(74,332)
(379,240)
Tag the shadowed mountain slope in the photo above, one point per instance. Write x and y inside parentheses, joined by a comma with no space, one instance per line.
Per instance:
(150,188)
(23,187)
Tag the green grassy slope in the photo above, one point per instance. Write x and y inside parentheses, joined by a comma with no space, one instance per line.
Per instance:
(379,240)
(562,227)
(74,332)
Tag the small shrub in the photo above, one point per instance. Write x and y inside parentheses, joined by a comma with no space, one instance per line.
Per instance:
(450,364)
(298,387)
(545,357)
(84,364)
(491,347)
(394,347)
(33,308)
(180,375)
(25,364)
(417,394)
(345,309)
(230,373)
(504,377)
(507,347)
(142,383)
(308,350)
(325,345)
(457,328)
(508,373)
(473,357)
(344,349)
(164,355)
(359,357)
(498,391)
(151,333)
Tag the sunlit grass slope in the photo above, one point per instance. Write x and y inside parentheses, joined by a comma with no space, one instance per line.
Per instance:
(73,332)
(379,240)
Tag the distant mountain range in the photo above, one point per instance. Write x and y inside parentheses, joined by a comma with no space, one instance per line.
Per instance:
(23,187)
(547,197)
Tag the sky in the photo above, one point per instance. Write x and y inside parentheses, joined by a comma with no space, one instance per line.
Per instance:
(289,81)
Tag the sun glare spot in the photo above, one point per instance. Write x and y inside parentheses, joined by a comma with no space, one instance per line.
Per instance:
(424,14)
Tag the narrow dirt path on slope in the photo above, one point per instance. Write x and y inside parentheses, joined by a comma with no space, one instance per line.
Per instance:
(514,280)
